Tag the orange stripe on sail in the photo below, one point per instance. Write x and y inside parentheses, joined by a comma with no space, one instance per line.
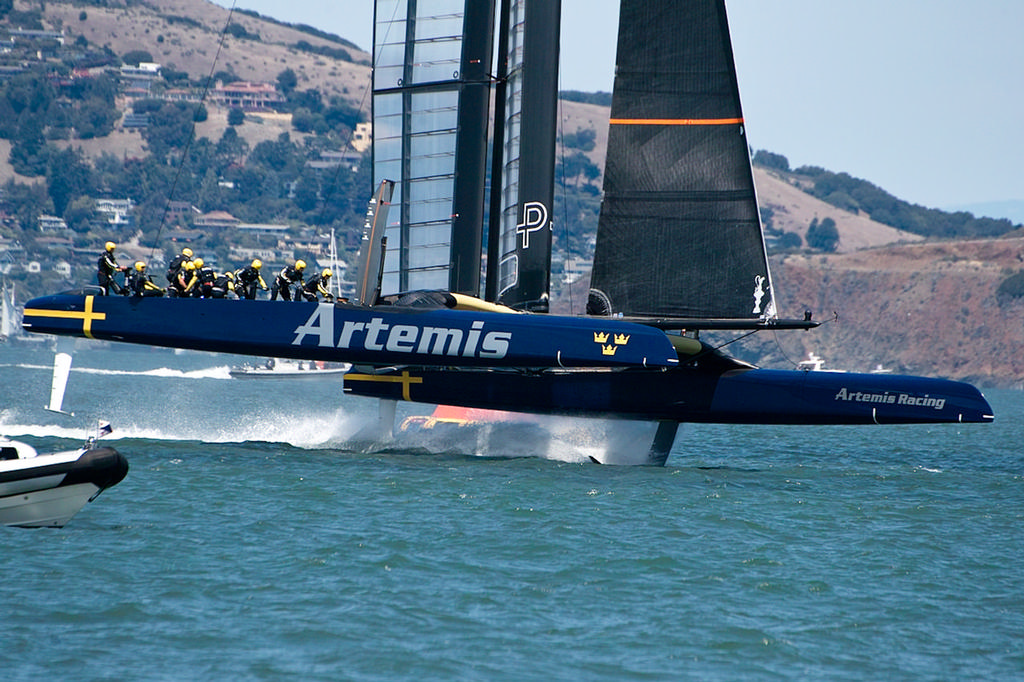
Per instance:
(676,121)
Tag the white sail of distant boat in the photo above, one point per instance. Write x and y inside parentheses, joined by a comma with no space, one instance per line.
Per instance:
(59,384)
(335,285)
(7,312)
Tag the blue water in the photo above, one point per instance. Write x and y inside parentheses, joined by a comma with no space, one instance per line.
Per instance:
(248,542)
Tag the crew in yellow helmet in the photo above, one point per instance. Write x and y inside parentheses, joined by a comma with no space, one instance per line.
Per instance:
(140,283)
(248,278)
(107,268)
(318,285)
(289,275)
(201,284)
(224,285)
(177,278)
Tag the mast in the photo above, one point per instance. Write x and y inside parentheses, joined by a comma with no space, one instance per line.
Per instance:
(431,92)
(679,233)
(519,246)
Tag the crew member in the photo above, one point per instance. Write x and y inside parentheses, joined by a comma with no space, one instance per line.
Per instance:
(289,275)
(140,283)
(178,287)
(106,268)
(318,285)
(201,284)
(174,270)
(248,278)
(224,285)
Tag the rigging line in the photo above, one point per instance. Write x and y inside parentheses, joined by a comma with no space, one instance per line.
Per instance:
(192,131)
(565,195)
(712,349)
(367,92)
(778,343)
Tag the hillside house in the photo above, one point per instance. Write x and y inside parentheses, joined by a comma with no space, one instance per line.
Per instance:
(247,96)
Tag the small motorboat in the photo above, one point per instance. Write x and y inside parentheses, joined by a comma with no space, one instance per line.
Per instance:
(46,490)
(275,368)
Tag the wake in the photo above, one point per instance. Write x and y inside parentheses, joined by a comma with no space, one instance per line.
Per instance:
(324,430)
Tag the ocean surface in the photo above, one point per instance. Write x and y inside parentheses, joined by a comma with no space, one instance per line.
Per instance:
(252,540)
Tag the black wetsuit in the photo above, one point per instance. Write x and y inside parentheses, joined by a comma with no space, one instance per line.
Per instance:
(141,284)
(284,281)
(223,284)
(316,286)
(246,281)
(106,268)
(201,285)
(174,269)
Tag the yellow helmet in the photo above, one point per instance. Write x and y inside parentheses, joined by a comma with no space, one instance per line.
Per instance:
(186,252)
(327,272)
(257,263)
(198,262)
(110,246)
(230,275)
(139,266)
(189,265)
(300,265)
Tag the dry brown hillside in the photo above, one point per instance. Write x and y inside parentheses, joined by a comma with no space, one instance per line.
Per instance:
(927,308)
(149,25)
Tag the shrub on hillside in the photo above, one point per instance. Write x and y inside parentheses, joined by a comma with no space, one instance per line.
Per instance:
(1011,288)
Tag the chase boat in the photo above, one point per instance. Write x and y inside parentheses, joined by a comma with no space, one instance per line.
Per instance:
(38,491)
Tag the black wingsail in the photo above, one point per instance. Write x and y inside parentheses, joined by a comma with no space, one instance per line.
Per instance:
(679,233)
(519,242)
(431,91)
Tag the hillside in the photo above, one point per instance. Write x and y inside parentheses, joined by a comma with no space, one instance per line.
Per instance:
(928,308)
(183,35)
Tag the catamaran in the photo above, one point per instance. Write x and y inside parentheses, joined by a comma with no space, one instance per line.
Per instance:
(679,250)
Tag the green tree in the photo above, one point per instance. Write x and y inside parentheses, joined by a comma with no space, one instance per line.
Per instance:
(1011,288)
(231,148)
(236,117)
(287,81)
(94,119)
(303,121)
(790,240)
(169,128)
(771,160)
(68,176)
(307,190)
(29,152)
(136,57)
(823,236)
(80,214)
(584,140)
(26,202)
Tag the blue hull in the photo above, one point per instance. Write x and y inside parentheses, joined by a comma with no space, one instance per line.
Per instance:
(542,364)
(712,393)
(383,335)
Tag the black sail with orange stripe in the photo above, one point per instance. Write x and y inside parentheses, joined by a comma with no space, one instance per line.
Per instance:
(679,233)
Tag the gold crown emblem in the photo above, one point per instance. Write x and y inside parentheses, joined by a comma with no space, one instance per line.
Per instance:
(621,339)
(600,337)
(609,350)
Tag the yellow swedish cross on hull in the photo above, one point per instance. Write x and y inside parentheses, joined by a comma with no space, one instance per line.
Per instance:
(405,379)
(87,315)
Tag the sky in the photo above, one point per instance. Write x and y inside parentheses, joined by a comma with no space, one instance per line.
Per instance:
(924,98)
